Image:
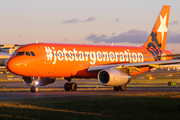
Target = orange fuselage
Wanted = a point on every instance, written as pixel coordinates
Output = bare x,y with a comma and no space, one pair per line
66,60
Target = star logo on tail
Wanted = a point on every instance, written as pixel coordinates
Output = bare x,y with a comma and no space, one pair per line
162,28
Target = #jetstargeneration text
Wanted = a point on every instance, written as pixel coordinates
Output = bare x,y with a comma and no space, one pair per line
52,55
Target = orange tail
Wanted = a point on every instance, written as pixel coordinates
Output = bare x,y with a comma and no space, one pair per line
157,38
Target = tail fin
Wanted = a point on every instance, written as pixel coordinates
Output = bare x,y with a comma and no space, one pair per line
157,38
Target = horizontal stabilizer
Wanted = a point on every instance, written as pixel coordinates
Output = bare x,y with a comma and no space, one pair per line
170,55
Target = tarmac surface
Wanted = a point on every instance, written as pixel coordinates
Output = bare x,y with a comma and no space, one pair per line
63,94
9,84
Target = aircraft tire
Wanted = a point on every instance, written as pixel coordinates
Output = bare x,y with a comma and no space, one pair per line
67,86
73,86
34,89
116,88
123,87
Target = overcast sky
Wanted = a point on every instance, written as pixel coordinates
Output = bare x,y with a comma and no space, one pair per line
123,22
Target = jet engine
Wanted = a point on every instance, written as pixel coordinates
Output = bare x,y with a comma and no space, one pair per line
30,81
113,77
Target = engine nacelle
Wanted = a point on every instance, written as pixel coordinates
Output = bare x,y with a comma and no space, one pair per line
29,81
113,77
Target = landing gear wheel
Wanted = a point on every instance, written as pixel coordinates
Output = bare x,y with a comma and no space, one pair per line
34,89
123,87
67,86
73,86
116,88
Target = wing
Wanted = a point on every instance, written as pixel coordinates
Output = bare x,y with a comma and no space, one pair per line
131,67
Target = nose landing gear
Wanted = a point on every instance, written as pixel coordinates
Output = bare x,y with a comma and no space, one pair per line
35,89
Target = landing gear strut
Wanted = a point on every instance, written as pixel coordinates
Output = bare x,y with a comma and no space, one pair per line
70,86
35,89
121,88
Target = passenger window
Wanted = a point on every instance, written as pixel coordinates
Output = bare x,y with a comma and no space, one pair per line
32,53
28,54
20,53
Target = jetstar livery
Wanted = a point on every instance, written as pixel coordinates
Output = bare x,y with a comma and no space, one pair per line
41,63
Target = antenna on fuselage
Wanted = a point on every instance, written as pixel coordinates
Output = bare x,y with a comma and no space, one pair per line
112,44
36,41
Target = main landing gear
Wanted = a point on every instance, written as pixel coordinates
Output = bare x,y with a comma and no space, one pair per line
70,86
121,88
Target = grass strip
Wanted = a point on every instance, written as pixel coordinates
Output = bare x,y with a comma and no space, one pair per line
145,106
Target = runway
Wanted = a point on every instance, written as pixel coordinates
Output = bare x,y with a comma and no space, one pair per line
62,94
9,83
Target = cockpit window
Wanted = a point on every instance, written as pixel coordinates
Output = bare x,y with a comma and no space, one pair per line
32,53
20,53
14,53
28,54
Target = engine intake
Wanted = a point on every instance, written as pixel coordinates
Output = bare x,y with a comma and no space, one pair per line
113,77
42,82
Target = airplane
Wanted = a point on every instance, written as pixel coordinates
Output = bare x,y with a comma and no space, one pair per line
40,63
3,58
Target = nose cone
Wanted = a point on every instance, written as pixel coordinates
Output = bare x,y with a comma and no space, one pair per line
11,65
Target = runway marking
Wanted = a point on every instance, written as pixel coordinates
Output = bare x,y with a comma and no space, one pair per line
10,76
49,109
